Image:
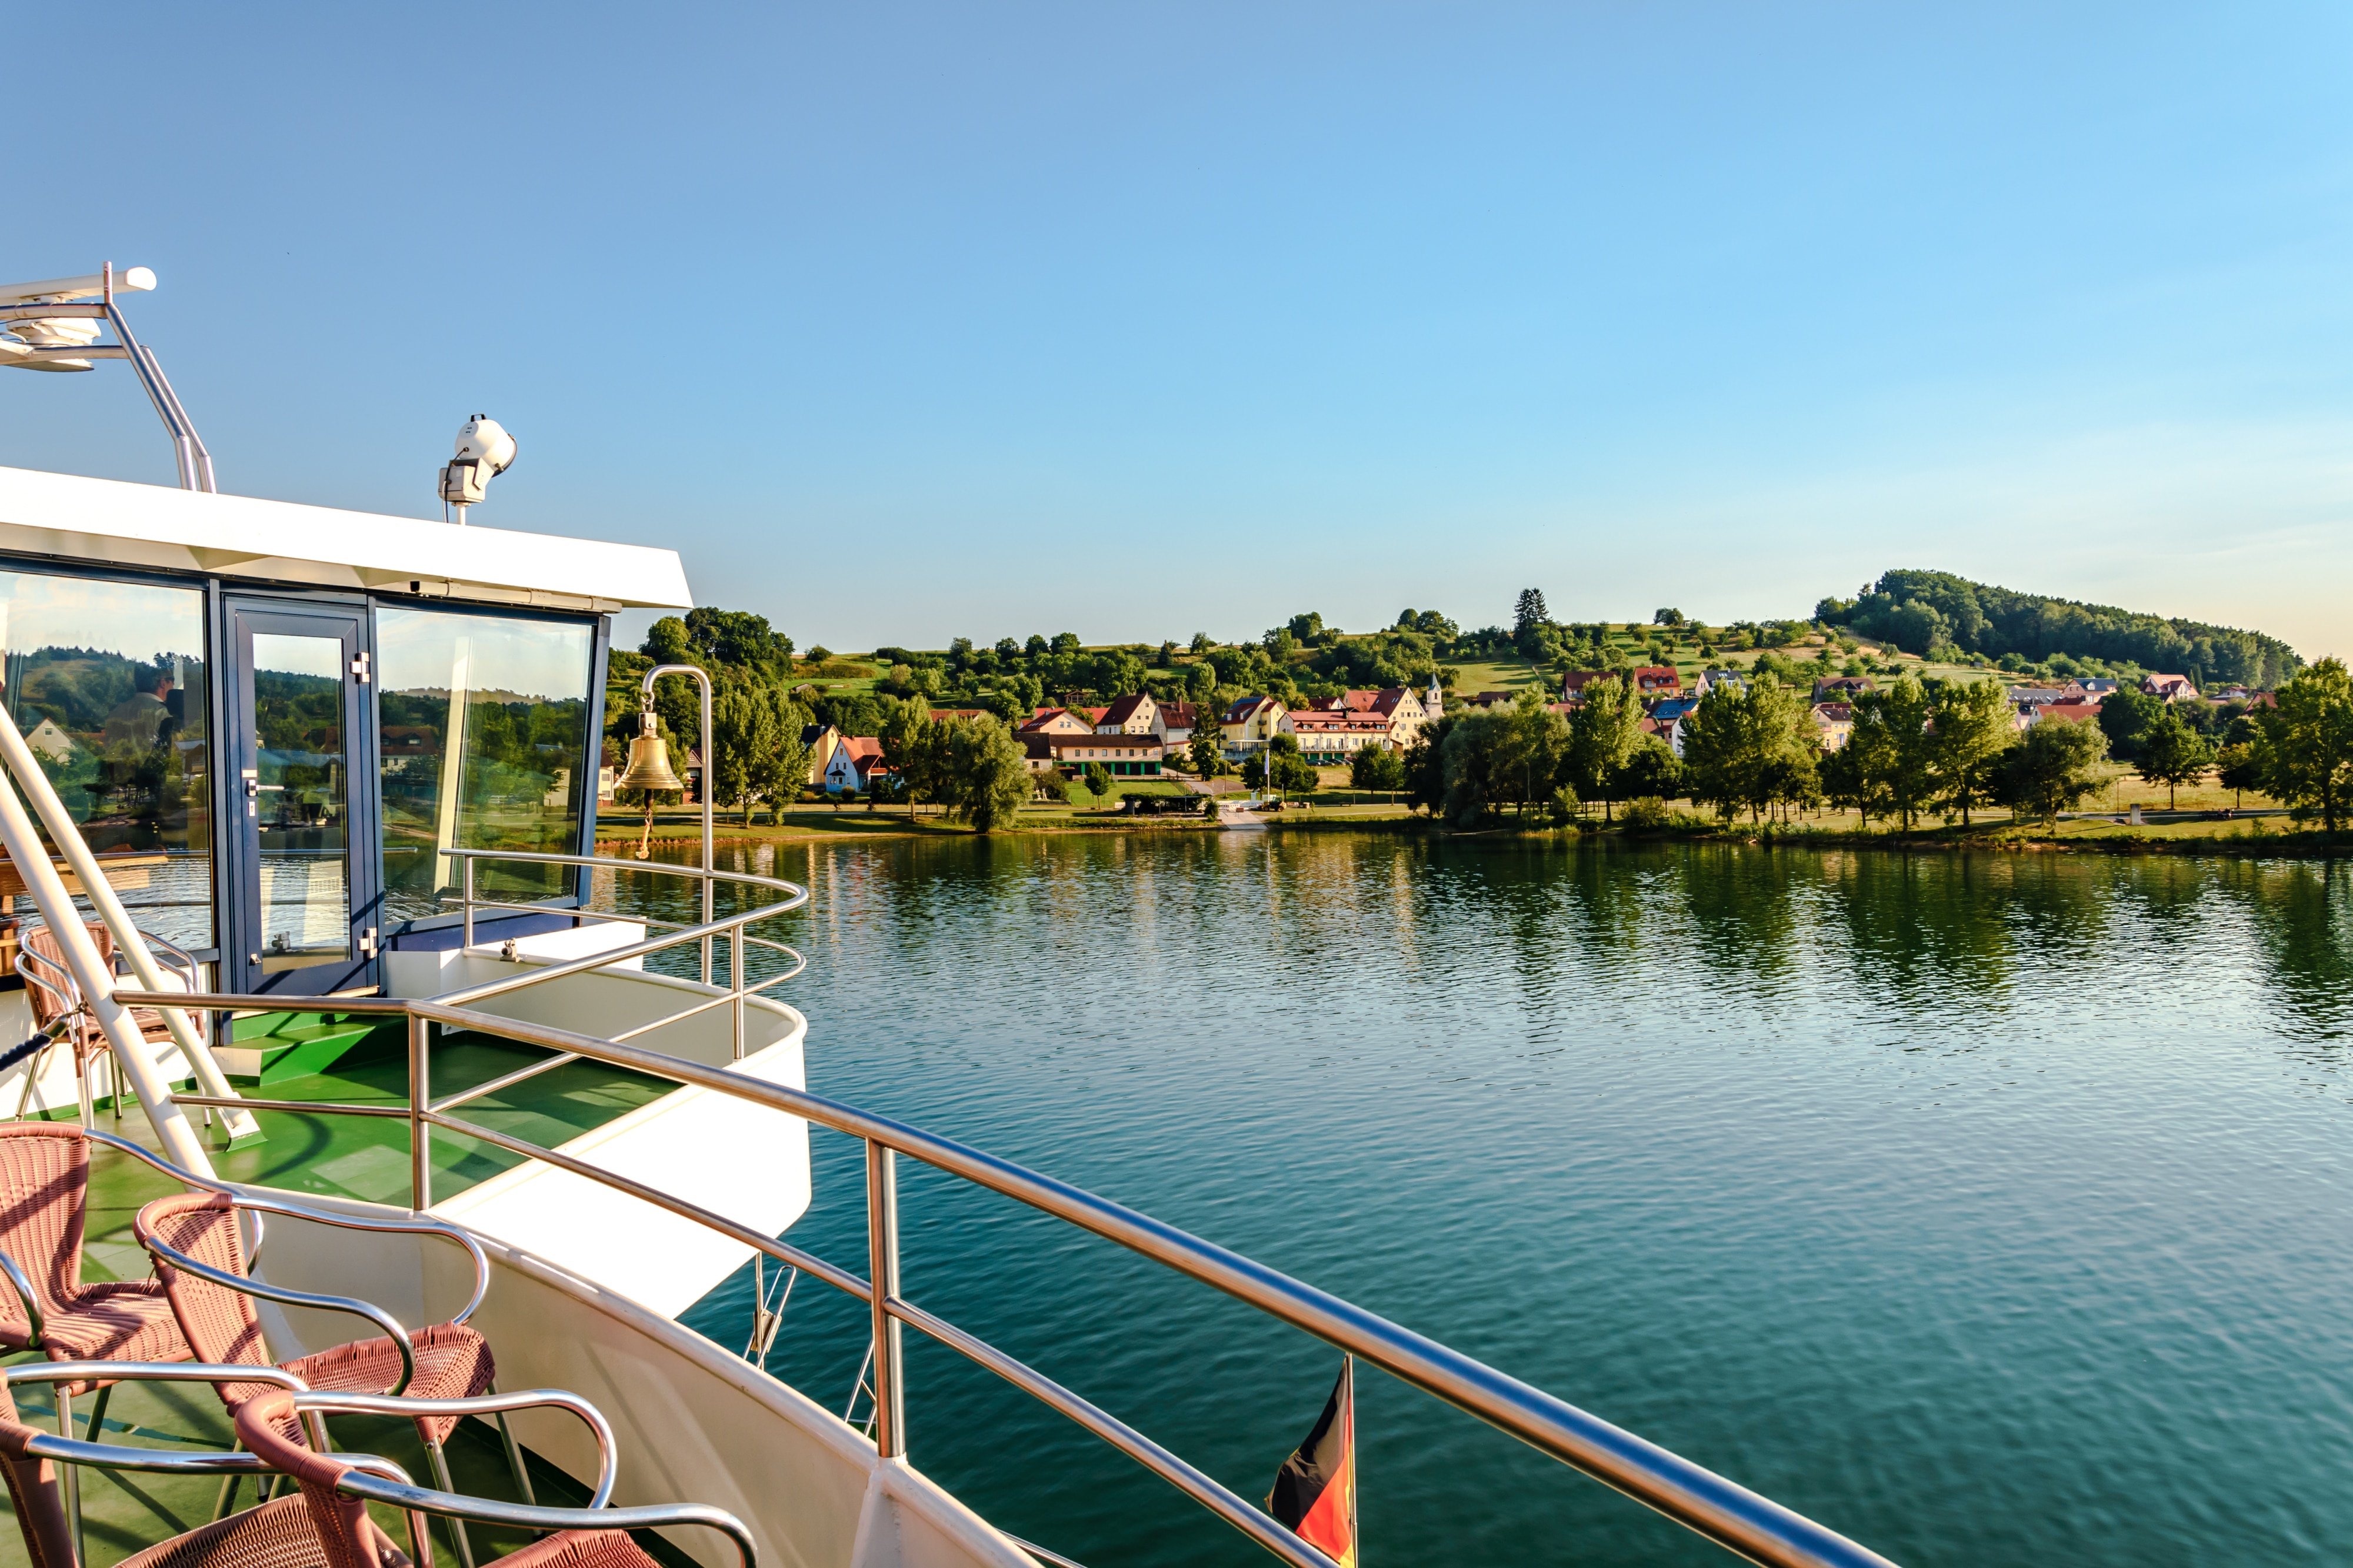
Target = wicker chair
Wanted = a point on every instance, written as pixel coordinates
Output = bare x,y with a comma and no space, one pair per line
200,1257
63,1014
44,1196
325,1524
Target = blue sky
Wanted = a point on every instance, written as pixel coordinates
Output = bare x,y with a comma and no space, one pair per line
908,321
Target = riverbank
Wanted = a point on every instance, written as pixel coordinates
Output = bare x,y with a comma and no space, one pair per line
2273,833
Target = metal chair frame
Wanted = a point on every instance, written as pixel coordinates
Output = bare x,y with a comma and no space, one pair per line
375,1479
169,1256
46,977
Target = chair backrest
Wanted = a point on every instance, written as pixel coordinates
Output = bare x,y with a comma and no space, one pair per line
44,1190
267,1426
33,1487
220,1324
49,985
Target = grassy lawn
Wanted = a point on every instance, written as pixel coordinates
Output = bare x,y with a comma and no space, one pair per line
1085,799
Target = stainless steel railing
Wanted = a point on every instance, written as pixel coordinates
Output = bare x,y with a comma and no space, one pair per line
1750,1525
739,940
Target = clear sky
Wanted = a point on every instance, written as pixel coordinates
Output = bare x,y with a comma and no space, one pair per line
908,321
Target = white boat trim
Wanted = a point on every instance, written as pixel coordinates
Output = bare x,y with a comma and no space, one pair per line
169,529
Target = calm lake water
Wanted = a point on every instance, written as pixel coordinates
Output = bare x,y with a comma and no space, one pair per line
1991,1210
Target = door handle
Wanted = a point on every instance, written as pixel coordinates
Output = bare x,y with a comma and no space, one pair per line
253,791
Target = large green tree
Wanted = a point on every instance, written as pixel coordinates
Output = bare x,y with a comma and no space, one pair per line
749,734
1603,733
1974,728
2173,755
2306,743
1749,746
910,751
2055,767
1899,748
1377,768
984,772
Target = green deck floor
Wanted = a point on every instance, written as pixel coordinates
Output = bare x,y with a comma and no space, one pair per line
354,1156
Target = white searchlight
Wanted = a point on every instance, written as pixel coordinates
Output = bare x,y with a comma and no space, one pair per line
485,450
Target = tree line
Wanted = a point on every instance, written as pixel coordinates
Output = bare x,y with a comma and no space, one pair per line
1949,748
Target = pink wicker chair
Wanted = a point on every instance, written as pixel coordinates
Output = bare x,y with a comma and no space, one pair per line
61,1011
200,1257
325,1524
337,1497
44,1193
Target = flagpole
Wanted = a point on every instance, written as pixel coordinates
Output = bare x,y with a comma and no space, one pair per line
1355,1537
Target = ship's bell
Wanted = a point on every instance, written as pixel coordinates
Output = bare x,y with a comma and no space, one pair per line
649,766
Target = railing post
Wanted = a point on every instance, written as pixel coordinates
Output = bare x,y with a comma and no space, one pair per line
882,1258
466,900
735,966
420,1131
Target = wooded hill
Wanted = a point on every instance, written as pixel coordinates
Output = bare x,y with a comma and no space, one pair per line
1939,616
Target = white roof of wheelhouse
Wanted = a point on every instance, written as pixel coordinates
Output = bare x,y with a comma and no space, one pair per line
162,528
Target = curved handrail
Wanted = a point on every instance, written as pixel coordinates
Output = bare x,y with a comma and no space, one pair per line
165,1255
1721,1509
532,1516
796,898
608,1451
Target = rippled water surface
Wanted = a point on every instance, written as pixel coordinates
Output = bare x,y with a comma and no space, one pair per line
1990,1210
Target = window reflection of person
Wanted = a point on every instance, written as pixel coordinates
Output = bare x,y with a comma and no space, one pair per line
139,718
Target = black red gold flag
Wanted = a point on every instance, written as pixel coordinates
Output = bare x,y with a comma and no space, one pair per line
1315,1493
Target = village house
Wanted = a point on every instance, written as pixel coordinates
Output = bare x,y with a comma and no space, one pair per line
1059,721
1037,750
1573,684
1327,737
1126,756
1248,726
1491,699
1667,709
1842,687
2073,712
1709,679
821,741
1177,722
1658,680
52,743
2098,687
1834,724
2172,687
853,764
1138,713
1406,712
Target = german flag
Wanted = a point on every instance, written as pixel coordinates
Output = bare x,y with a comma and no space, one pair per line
1314,1494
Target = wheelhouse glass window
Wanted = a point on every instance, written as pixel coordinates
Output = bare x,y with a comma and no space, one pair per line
484,723
106,681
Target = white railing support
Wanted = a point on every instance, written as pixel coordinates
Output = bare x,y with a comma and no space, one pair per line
66,834
96,980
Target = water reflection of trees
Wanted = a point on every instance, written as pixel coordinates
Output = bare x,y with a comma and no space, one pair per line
2301,914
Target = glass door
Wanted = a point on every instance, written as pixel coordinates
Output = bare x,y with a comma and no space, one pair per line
305,922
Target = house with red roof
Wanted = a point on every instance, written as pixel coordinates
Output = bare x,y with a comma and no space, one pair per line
1328,737
1248,725
1059,722
1138,713
853,764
